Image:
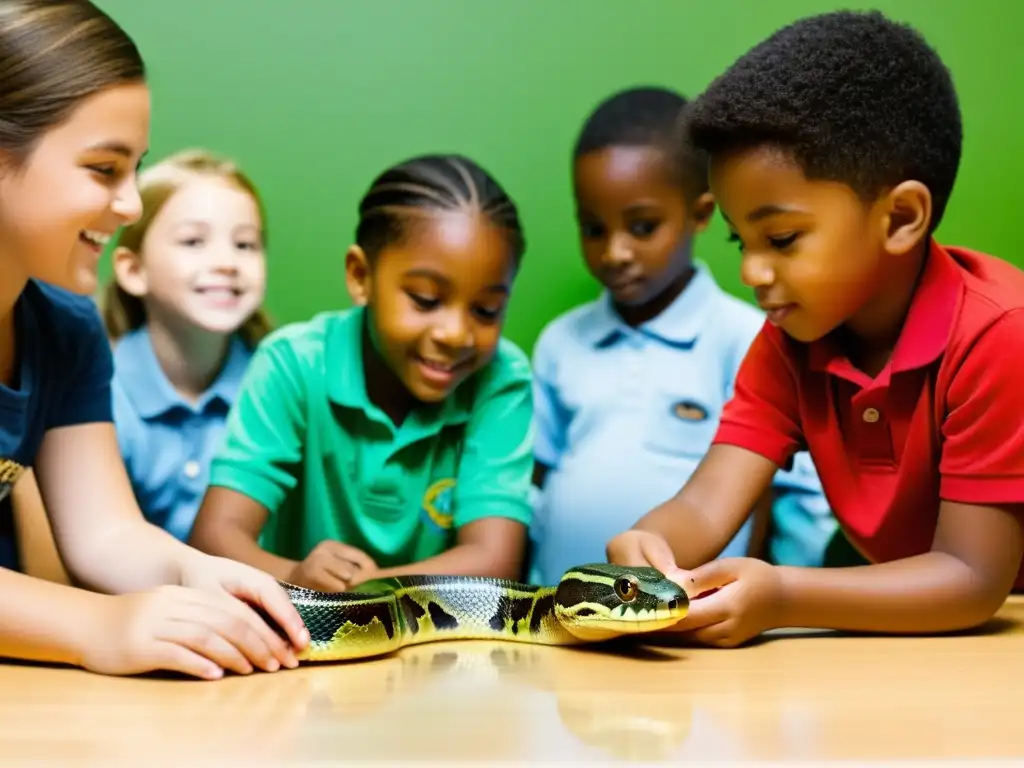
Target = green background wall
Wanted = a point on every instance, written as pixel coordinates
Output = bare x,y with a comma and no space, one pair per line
315,97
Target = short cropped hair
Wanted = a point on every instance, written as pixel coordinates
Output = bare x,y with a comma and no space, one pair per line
852,97
646,116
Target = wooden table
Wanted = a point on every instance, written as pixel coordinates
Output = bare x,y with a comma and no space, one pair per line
797,696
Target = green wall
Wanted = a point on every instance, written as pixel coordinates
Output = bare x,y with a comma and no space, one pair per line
315,97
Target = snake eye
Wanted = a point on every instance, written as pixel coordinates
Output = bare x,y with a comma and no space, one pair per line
626,589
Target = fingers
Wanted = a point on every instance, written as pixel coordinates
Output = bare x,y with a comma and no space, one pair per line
175,657
274,600
705,612
643,548
340,570
212,637
262,644
356,556
656,551
711,576
628,549
221,628
720,635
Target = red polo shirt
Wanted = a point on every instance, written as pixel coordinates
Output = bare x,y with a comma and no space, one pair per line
943,420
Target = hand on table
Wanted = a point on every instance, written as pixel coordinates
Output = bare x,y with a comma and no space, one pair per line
731,600
202,628
332,567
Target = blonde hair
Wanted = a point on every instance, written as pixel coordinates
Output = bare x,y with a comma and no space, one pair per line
123,312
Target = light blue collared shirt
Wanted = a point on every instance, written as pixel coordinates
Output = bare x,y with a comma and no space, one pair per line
167,443
802,520
625,415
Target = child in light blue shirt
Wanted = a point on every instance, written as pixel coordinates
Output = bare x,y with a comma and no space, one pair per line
184,308
629,387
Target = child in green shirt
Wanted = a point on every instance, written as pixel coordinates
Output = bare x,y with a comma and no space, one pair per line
396,436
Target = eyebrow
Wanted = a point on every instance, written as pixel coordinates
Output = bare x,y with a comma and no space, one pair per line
764,212
644,207
116,147
432,275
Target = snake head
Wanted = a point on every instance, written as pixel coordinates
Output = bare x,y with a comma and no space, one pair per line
601,601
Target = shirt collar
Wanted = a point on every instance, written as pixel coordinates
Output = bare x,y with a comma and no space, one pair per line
346,384
146,385
679,324
926,328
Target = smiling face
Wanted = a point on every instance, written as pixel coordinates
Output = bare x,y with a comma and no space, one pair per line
813,251
437,300
635,223
202,260
76,188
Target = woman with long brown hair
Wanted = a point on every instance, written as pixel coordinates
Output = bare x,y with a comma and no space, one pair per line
74,125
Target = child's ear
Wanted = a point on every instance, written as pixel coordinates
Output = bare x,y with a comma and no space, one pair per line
358,275
907,216
128,271
701,211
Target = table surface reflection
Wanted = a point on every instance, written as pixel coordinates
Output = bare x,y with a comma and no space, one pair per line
792,696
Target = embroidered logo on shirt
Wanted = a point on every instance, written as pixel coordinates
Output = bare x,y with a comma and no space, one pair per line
437,503
688,410
10,472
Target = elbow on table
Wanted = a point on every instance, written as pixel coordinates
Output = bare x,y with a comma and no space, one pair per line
981,606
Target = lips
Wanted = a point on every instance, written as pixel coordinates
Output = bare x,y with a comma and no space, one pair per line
621,282
440,373
776,313
95,238
438,365
219,290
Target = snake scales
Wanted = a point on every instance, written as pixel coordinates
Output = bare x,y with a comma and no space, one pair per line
590,603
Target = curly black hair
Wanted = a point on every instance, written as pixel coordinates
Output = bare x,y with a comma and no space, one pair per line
852,97
646,116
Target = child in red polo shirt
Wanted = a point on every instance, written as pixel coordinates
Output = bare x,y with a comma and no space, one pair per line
834,146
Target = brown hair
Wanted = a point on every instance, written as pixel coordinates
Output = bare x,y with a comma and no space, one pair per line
123,312
54,54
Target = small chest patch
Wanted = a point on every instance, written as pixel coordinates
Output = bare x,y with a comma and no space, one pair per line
688,410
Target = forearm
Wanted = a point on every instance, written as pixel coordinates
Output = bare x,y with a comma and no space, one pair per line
130,556
693,537
461,560
933,592
44,621
224,539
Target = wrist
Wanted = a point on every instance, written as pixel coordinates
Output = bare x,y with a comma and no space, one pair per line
788,598
92,619
188,560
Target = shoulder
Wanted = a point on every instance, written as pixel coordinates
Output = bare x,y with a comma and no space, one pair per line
66,316
508,369
992,302
570,329
302,343
70,334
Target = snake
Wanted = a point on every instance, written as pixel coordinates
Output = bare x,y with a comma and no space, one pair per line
589,603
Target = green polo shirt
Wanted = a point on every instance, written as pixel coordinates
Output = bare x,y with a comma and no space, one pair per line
304,441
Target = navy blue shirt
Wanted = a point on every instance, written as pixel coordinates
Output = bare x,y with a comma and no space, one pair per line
63,374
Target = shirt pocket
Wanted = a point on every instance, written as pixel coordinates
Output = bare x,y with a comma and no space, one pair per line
681,424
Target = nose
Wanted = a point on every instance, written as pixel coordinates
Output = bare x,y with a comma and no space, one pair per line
224,258
616,253
127,203
452,330
756,271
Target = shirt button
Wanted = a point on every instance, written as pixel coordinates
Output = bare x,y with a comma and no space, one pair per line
871,415
191,469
